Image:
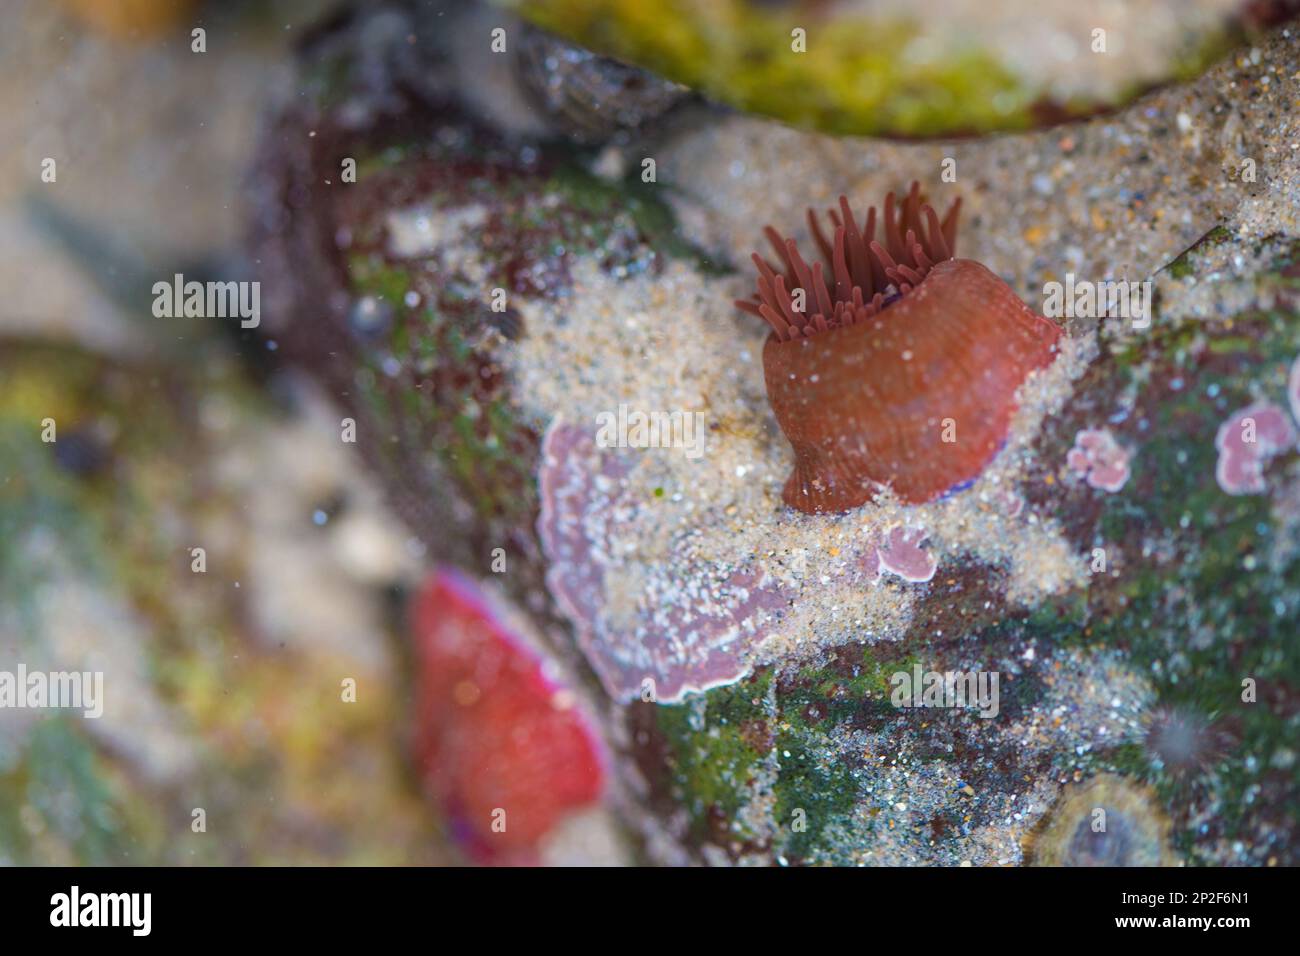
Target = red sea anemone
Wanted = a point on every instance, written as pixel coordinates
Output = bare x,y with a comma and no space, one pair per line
902,371
506,749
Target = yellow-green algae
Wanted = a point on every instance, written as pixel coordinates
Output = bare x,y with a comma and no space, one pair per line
742,56
850,80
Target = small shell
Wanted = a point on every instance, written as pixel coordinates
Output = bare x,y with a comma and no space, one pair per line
1107,821
587,96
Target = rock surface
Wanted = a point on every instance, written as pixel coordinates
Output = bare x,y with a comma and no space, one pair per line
660,574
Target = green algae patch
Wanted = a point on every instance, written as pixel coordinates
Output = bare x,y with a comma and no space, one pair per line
814,789
1185,264
63,803
755,762
716,745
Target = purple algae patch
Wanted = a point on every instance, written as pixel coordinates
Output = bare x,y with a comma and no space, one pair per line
1246,441
900,553
1099,460
651,629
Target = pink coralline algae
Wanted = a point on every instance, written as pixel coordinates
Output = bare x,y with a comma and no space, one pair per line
1246,442
1099,460
502,745
651,629
900,553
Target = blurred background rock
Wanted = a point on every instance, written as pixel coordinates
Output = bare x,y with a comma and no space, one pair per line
225,684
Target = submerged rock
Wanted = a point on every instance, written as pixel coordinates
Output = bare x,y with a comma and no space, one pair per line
743,655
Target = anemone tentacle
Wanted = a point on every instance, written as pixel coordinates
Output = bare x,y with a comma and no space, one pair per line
866,274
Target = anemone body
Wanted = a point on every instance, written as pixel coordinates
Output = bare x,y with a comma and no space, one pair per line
905,375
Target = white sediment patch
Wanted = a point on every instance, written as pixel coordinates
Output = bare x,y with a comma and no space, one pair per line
683,524
418,231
